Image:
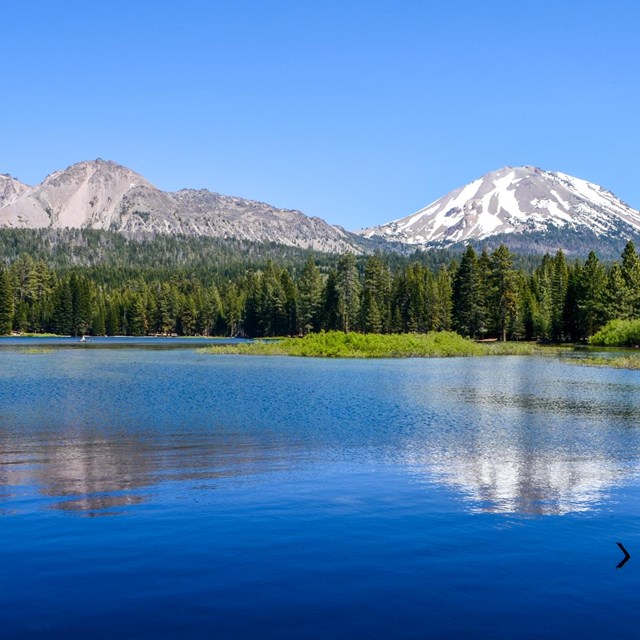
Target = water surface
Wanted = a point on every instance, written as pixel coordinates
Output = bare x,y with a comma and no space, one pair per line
167,493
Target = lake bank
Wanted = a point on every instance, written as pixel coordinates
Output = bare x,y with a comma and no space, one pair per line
613,362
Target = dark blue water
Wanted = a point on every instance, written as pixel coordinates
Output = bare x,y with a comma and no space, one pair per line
173,494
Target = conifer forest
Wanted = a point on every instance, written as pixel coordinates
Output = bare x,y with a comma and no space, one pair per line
220,289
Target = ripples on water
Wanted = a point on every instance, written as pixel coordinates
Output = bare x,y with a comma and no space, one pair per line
314,498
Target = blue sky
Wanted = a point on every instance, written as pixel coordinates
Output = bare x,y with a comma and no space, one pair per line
357,112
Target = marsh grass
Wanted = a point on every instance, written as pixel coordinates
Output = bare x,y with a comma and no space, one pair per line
335,344
615,362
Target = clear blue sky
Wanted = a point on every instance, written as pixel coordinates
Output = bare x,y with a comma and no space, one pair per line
357,112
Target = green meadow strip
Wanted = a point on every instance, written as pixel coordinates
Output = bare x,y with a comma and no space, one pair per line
336,344
614,362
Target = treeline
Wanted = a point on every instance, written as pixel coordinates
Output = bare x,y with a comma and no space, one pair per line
480,295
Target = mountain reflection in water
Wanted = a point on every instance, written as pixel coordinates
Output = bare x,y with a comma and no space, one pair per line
535,446
510,481
96,475
101,431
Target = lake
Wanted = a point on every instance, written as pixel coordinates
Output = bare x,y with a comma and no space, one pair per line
151,491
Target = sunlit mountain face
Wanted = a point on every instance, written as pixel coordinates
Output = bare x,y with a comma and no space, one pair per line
524,207
102,194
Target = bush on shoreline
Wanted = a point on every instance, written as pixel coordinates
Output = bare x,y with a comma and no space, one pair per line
618,333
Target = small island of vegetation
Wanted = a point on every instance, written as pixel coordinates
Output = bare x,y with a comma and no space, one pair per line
337,344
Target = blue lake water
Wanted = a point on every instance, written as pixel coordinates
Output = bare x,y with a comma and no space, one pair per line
167,493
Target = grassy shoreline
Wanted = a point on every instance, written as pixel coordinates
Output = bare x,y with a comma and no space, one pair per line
335,344
613,362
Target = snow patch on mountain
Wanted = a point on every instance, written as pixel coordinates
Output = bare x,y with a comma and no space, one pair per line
512,200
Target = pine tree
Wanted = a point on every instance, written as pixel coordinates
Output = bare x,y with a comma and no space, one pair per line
559,286
541,286
136,316
188,316
98,323
290,290
62,312
310,297
233,302
6,302
331,309
212,312
467,302
81,305
503,291
443,303
348,289
252,315
112,321
615,299
376,296
400,303
631,275
591,297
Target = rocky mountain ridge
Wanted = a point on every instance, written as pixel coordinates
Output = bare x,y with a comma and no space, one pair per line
527,208
102,194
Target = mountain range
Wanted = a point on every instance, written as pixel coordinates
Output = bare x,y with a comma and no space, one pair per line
527,208
102,194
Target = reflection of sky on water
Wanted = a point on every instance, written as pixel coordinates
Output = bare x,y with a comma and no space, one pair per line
100,432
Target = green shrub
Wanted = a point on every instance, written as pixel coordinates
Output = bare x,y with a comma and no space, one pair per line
618,333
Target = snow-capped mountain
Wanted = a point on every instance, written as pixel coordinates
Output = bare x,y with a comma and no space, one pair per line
514,200
105,195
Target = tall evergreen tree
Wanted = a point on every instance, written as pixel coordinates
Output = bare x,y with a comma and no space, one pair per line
62,312
136,315
310,297
81,304
591,297
559,286
631,275
376,296
541,306
348,290
331,303
442,304
290,291
616,301
6,302
467,302
503,292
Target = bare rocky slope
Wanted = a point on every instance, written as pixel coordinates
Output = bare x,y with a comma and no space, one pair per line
102,194
522,206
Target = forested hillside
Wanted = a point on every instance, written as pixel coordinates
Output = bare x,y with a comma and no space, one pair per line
96,283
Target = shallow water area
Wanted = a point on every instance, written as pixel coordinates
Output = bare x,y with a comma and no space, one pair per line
148,490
